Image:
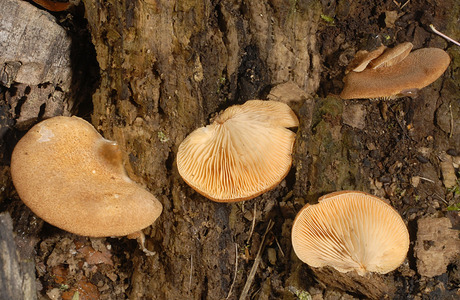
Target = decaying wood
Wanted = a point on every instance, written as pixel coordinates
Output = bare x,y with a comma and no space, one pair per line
437,245
35,60
372,286
166,68
17,276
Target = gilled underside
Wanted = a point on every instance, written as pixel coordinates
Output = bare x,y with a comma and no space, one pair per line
245,152
361,233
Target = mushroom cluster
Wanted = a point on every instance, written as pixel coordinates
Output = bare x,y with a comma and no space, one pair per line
393,72
245,152
350,230
73,178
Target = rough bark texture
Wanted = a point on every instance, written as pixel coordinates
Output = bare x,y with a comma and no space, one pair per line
166,66
35,61
17,274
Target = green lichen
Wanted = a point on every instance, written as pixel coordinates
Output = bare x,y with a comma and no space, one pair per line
162,137
303,295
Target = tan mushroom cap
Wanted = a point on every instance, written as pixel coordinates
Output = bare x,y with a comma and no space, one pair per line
243,153
392,56
417,70
363,58
350,230
73,178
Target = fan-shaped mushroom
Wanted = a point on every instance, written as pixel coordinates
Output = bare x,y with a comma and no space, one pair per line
417,70
243,153
73,178
363,58
350,230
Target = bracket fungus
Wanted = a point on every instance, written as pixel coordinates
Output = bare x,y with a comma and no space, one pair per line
245,152
395,73
73,178
350,230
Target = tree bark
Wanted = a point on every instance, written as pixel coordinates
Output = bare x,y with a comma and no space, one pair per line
17,274
35,61
166,68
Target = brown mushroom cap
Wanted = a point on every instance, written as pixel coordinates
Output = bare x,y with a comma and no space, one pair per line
73,178
417,70
363,58
392,56
243,153
350,230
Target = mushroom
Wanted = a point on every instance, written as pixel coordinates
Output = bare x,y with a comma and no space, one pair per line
73,178
391,56
245,152
417,70
363,58
350,230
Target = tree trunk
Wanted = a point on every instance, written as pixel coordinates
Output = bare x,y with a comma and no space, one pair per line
166,67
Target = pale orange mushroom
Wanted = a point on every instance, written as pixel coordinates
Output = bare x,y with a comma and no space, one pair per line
73,178
245,152
391,56
350,231
363,58
419,69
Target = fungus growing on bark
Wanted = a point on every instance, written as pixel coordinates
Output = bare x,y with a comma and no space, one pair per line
417,70
245,152
73,178
350,230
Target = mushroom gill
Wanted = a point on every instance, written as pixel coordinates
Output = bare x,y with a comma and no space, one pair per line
243,153
348,231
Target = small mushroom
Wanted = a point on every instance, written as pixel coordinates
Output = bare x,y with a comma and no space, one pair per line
73,178
350,230
245,152
363,58
391,56
417,70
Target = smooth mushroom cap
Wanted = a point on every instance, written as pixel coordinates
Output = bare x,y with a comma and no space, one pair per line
243,153
417,70
350,230
392,56
363,58
73,178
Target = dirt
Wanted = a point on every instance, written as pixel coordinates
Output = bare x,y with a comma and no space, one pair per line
405,150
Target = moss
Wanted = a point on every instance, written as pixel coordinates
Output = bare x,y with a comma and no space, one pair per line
328,109
334,151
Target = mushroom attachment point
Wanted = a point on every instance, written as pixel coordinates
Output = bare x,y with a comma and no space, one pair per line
245,152
350,230
396,71
73,178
